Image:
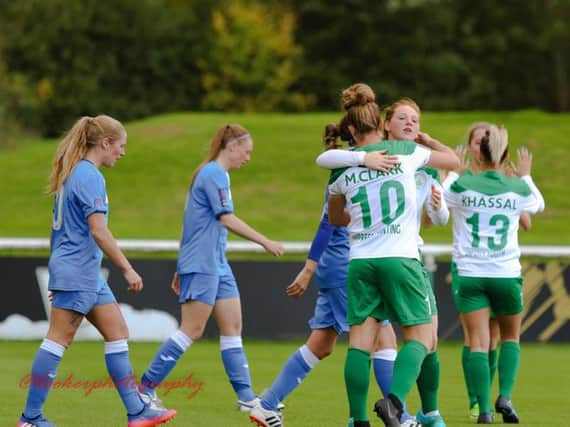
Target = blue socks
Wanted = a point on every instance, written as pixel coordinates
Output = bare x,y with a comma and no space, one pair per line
44,369
164,361
236,366
383,361
121,372
295,370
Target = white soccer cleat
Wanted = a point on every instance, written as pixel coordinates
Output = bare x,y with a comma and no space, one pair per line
248,405
266,418
412,422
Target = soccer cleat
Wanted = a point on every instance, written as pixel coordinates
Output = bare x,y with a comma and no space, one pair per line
407,419
474,411
507,410
485,418
35,422
388,412
151,399
151,416
265,417
248,405
410,422
431,420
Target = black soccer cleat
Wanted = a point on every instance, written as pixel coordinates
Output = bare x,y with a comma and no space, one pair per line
507,410
485,418
388,412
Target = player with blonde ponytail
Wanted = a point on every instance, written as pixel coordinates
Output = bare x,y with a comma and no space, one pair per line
204,281
79,237
486,210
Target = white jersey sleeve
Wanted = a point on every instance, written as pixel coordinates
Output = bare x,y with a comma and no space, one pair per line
449,179
439,216
333,159
533,207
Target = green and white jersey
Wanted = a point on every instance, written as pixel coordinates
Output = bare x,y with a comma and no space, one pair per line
382,206
485,209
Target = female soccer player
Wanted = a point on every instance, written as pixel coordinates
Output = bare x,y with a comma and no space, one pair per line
470,165
402,122
486,209
385,278
204,281
79,236
328,262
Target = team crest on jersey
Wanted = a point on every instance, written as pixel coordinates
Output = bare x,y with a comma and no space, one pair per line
420,180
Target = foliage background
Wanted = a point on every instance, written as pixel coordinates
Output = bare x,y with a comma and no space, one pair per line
137,58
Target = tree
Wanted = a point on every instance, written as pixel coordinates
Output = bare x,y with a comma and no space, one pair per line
253,62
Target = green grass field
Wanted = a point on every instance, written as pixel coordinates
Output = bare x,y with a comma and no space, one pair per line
541,394
280,192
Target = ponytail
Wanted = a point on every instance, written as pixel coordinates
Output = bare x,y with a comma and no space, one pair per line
84,135
495,145
330,137
224,135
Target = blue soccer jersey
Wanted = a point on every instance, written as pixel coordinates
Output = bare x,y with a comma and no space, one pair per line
75,259
332,268
204,237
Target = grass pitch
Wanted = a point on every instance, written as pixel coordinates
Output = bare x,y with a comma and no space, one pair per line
207,399
280,192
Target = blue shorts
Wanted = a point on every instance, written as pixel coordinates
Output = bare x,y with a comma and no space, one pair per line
330,310
207,288
83,301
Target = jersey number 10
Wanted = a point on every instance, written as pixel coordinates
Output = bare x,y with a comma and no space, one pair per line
361,198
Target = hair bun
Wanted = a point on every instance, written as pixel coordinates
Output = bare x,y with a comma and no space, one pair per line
356,95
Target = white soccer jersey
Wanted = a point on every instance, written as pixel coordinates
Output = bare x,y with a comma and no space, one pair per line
485,209
425,178
382,205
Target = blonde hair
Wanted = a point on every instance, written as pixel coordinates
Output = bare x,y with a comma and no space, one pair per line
84,135
223,135
474,128
390,110
362,111
495,145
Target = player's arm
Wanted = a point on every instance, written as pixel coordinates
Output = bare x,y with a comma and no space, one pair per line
377,160
525,221
239,227
109,246
436,210
318,246
524,167
442,157
337,214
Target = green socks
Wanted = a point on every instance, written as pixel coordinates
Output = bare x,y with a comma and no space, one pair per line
478,368
428,383
492,363
407,368
357,380
468,383
509,361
